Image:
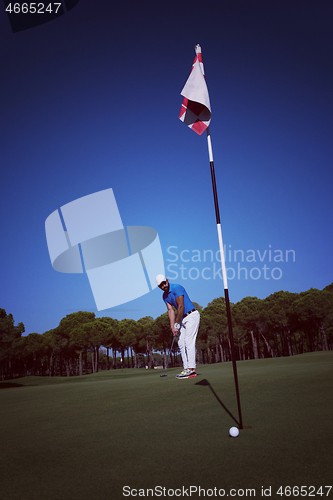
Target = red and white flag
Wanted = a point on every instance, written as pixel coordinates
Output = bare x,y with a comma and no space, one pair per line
195,111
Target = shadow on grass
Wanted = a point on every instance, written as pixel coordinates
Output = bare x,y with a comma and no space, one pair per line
205,382
10,385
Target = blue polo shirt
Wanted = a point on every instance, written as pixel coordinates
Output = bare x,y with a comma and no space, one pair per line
178,291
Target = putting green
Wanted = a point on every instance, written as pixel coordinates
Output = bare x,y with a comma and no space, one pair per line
89,437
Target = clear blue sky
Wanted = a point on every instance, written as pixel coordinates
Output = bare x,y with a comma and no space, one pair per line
91,101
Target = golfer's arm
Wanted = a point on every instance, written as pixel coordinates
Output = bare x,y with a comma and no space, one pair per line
180,310
171,314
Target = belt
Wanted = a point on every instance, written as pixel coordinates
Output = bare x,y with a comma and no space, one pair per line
189,313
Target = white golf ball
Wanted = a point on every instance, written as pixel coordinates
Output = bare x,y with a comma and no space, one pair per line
233,432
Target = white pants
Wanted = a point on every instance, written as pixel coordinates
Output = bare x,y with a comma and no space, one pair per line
187,336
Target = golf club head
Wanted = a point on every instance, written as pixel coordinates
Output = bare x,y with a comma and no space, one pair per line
164,375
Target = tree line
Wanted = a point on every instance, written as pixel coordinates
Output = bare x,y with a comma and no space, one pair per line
282,324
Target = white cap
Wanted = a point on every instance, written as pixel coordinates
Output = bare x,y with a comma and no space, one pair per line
159,279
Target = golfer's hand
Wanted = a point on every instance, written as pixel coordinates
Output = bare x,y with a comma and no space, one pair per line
175,332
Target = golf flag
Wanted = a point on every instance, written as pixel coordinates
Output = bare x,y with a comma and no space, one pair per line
196,114
195,111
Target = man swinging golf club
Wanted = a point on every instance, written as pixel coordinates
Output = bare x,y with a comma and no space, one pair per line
186,322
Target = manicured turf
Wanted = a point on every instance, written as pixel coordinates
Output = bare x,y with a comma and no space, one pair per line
88,437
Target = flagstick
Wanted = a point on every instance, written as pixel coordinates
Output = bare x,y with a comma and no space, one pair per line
224,273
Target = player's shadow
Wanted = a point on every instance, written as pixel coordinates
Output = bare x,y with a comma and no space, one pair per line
205,382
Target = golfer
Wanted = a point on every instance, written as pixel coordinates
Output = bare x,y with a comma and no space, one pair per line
186,323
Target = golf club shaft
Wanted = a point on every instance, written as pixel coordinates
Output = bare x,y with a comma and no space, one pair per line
170,352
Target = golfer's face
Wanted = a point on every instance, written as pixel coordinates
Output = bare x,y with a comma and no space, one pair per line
164,286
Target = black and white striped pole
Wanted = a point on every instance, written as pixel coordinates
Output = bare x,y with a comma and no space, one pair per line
224,274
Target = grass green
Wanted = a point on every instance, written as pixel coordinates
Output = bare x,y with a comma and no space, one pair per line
88,437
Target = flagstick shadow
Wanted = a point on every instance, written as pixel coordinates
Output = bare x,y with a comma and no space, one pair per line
205,382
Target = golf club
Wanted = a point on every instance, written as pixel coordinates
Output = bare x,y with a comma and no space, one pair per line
164,374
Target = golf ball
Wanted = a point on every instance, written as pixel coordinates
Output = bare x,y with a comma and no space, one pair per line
233,432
